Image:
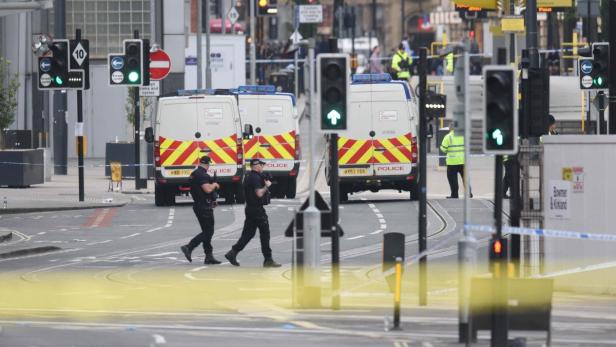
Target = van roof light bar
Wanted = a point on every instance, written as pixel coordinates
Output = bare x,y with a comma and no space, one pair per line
371,78
190,92
257,89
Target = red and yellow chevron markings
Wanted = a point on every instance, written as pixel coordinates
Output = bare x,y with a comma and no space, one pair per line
280,146
178,153
376,151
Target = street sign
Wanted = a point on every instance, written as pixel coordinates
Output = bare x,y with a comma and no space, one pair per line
585,71
296,37
586,66
79,54
310,13
160,65
586,81
150,90
233,15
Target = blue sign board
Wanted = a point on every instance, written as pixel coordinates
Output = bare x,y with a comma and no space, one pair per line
45,64
117,63
586,66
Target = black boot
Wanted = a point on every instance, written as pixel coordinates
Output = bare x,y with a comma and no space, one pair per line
269,262
187,251
210,260
231,257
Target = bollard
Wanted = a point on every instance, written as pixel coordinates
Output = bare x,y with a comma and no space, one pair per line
397,294
4,204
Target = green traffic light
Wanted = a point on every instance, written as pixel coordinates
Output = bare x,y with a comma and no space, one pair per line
133,76
333,117
599,81
59,81
498,136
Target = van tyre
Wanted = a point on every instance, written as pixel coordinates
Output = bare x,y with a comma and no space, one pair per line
163,195
344,194
414,193
239,194
291,188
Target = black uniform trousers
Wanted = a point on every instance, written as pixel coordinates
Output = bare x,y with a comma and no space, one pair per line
452,177
508,172
255,218
205,216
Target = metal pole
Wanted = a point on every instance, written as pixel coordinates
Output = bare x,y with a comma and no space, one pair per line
423,220
531,32
402,11
312,216
253,50
80,132
296,53
199,45
208,66
59,100
334,187
499,306
612,69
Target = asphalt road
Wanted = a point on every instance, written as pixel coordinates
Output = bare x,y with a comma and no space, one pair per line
120,279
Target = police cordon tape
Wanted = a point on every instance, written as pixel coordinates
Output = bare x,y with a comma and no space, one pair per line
123,165
543,232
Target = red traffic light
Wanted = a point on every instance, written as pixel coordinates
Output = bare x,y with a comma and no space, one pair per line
497,247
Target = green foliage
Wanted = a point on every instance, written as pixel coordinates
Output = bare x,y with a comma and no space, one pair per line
129,107
9,84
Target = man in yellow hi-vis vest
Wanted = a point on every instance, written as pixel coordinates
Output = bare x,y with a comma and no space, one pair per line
401,64
449,63
453,147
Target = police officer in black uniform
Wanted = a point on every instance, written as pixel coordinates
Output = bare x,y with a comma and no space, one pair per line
257,195
203,191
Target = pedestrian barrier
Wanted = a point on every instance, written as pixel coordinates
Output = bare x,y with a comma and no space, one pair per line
116,176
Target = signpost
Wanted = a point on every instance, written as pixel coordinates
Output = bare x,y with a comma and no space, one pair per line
310,13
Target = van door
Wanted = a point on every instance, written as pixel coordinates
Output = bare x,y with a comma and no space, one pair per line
177,124
276,132
218,127
355,144
392,136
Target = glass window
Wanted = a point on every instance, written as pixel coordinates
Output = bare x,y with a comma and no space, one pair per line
125,17
113,5
90,6
114,18
137,17
125,6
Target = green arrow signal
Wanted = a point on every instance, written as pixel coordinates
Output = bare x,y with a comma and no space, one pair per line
334,116
498,136
133,76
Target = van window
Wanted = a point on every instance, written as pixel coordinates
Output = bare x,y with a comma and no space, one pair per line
177,120
215,119
276,115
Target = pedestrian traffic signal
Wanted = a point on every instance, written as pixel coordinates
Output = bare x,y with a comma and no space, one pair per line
132,68
500,117
267,7
54,69
435,105
601,60
333,71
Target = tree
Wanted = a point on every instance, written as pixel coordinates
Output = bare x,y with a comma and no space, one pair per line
129,108
9,84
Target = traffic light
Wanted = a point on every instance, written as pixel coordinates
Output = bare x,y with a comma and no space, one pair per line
538,103
267,7
498,250
601,60
132,68
500,117
333,71
436,105
53,69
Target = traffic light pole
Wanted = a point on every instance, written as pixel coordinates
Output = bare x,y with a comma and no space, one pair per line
80,132
423,221
612,69
334,187
499,333
59,101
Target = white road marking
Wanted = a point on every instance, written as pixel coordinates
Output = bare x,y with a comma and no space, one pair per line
99,218
134,225
291,208
159,339
355,237
199,268
371,205
382,221
129,236
379,215
42,233
326,243
383,226
161,254
376,232
98,243
170,218
155,229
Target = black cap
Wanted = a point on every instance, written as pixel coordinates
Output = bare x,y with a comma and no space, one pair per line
205,160
551,119
254,162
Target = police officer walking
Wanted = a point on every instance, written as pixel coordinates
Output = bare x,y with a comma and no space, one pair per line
257,195
203,191
401,64
453,147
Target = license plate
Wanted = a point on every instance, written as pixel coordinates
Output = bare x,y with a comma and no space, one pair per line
355,171
179,172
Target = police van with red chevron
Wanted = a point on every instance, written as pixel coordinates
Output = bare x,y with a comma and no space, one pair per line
378,149
273,117
188,126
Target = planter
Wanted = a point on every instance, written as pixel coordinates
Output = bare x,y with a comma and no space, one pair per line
21,167
124,152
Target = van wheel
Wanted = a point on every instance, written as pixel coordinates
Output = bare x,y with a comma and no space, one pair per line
344,195
239,194
229,195
159,196
291,188
414,193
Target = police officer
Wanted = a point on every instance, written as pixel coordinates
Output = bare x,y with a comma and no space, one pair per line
401,64
257,195
453,147
203,191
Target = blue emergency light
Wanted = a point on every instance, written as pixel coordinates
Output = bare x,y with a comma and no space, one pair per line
367,78
257,89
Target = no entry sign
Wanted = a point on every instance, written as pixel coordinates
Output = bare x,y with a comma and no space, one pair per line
160,65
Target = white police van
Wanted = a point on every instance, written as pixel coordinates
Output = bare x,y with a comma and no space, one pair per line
378,150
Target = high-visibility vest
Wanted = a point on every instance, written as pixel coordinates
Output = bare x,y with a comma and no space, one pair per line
395,61
453,146
449,63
